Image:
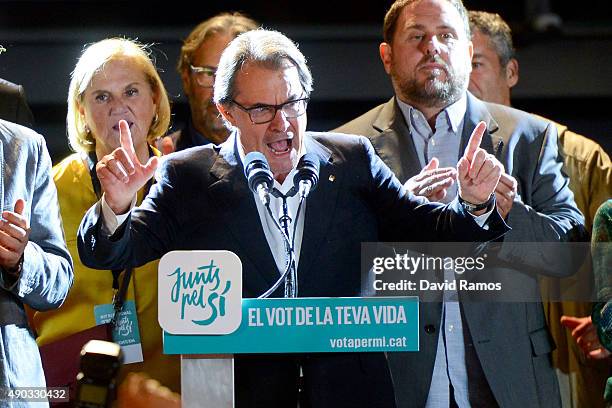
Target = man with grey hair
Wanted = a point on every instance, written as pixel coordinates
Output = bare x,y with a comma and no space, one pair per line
472,353
262,89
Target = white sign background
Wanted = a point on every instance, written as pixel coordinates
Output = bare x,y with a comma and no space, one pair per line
186,280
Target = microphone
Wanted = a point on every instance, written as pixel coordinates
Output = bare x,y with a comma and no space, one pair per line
259,176
307,175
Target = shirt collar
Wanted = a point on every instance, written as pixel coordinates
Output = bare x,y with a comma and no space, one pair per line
456,112
453,113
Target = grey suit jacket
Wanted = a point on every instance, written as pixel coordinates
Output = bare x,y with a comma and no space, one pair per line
13,105
510,339
46,274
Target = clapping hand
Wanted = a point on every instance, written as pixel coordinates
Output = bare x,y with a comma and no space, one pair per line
478,172
122,174
432,182
505,193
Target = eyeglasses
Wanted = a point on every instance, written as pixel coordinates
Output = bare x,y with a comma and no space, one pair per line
204,76
266,113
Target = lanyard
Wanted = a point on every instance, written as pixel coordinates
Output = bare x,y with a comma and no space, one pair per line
119,293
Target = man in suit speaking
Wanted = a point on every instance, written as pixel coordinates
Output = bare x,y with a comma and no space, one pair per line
202,201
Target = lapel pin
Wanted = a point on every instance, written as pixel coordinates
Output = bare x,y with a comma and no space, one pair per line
332,178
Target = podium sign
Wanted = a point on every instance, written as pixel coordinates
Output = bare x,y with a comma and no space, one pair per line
202,313
199,292
312,325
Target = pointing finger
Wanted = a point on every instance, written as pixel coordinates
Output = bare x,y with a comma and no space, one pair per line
125,138
474,142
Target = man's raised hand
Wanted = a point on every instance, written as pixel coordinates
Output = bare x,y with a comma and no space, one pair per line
478,172
122,174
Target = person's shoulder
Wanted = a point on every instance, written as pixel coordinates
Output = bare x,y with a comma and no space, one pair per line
197,159
338,140
363,124
14,133
9,88
187,156
604,211
578,146
517,122
342,147
503,113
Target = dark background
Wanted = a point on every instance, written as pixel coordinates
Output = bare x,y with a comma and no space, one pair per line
565,75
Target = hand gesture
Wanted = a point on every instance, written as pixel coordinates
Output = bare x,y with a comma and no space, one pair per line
478,171
505,193
585,335
14,235
432,182
122,174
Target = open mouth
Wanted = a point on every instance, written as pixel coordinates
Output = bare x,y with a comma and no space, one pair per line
280,146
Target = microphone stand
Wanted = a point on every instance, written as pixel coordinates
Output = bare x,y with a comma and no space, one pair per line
290,273
285,220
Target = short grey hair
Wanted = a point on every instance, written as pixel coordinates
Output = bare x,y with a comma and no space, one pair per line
498,32
270,49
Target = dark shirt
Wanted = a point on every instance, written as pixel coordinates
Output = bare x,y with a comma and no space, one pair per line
190,137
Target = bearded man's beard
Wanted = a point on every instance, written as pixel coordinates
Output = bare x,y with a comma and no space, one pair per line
434,91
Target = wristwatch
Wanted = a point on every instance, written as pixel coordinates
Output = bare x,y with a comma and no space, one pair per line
477,207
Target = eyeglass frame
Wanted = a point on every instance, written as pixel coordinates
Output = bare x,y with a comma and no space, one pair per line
211,71
277,108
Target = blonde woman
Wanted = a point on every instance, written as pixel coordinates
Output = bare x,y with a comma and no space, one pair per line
114,79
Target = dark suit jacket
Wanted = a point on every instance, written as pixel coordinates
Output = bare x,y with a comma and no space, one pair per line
202,201
510,339
13,105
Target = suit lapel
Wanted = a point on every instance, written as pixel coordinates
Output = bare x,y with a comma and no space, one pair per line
234,200
477,111
395,137
320,206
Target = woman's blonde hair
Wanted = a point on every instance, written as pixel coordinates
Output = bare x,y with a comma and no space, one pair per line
92,61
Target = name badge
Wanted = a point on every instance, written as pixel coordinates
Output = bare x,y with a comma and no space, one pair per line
125,332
